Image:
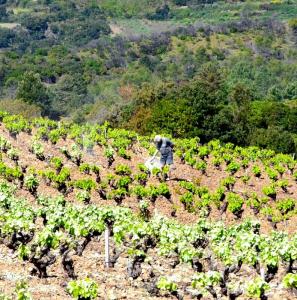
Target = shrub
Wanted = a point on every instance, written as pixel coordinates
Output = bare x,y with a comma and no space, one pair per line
156,172
83,196
235,203
285,205
206,281
85,168
85,184
163,190
280,169
290,281
284,183
256,171
203,152
63,176
166,285
85,289
187,200
5,145
269,191
201,166
245,179
22,292
189,186
218,196
13,154
141,178
124,154
38,150
254,202
272,174
123,170
11,173
228,182
144,208
153,192
233,167
140,192
245,163
257,288
293,24
54,136
95,169
118,195
217,161
109,154
143,168
123,182
31,183
227,158
57,163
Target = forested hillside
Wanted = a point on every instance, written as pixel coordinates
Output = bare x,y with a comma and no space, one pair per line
217,69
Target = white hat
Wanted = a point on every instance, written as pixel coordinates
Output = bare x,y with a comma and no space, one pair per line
157,139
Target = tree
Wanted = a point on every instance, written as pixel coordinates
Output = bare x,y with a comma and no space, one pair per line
36,25
3,11
273,138
180,2
7,36
3,72
293,26
223,127
162,13
171,116
69,94
240,106
291,91
16,107
139,120
205,97
274,114
32,91
275,92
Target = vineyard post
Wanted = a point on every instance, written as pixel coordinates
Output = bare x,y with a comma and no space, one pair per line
262,273
107,233
105,132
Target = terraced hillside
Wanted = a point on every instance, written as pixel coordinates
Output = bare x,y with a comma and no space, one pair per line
223,227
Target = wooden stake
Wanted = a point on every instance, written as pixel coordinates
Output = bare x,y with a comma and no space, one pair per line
107,260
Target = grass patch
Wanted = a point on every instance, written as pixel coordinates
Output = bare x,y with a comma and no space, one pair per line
21,10
9,25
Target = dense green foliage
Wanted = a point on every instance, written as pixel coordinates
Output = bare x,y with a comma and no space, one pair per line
87,60
207,108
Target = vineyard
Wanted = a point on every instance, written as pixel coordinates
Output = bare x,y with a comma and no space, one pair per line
223,227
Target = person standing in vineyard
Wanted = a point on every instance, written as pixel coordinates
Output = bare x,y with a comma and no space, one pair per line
165,147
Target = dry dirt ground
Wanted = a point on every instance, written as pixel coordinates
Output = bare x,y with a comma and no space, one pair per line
114,283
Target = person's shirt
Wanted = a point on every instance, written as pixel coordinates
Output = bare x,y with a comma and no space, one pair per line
164,143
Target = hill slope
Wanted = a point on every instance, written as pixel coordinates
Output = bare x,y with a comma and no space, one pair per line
97,54
70,181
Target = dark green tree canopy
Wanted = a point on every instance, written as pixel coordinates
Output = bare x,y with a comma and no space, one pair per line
33,91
